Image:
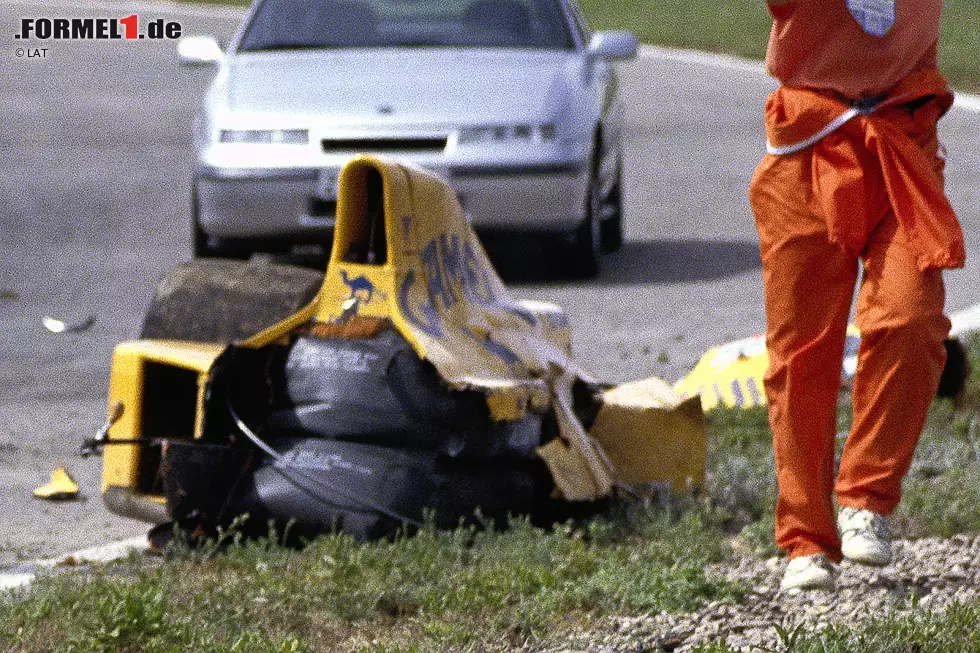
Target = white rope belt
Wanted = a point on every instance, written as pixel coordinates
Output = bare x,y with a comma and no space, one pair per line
835,124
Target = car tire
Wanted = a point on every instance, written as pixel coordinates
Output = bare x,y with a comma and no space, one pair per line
216,300
205,246
378,391
611,229
371,492
585,250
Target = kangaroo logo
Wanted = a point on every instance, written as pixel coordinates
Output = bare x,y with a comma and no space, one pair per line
358,284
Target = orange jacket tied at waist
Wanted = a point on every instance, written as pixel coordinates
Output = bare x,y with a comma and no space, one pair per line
899,133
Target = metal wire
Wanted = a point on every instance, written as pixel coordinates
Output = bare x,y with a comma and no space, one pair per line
261,444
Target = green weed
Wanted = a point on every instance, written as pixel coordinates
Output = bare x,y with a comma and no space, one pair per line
951,631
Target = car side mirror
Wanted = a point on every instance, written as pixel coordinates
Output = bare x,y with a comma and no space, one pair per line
614,45
198,51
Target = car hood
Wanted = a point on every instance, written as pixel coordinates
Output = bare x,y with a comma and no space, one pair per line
444,86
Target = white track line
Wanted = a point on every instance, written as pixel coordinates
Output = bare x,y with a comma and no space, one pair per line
968,102
24,575
706,59
15,580
964,101
965,321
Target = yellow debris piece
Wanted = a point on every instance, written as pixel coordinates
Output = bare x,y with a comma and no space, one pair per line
578,465
61,486
651,435
731,374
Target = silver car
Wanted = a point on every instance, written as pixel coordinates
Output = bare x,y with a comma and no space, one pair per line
513,102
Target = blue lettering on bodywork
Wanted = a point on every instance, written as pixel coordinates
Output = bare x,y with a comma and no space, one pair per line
430,323
454,270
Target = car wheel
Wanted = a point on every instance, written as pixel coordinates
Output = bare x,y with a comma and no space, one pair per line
611,229
205,246
214,300
369,492
586,249
392,398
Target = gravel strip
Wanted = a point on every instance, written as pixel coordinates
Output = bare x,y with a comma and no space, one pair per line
926,575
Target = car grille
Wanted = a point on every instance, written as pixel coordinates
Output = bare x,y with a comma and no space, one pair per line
318,208
354,145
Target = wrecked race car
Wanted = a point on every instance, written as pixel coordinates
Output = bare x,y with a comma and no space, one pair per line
404,384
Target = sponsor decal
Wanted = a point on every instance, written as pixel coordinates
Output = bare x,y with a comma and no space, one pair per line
359,284
324,462
453,272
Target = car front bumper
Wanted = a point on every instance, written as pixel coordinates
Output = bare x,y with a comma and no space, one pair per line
285,203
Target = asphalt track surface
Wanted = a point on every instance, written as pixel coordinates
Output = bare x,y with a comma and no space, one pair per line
95,163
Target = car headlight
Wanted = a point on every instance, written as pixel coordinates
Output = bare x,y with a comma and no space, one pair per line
507,133
284,136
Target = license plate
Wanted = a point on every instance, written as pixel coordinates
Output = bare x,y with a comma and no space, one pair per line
327,183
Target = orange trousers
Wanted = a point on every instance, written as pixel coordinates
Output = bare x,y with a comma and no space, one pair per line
809,286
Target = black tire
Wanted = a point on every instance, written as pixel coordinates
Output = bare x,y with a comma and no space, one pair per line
371,492
219,300
378,391
611,229
205,246
199,479
956,371
585,250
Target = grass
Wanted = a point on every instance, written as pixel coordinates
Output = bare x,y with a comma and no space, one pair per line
959,48
741,27
464,590
526,588
473,590
953,631
736,27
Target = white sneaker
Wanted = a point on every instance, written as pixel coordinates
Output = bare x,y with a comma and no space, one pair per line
808,573
864,536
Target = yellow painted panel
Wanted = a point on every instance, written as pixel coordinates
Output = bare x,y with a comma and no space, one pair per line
650,435
121,463
732,374
437,287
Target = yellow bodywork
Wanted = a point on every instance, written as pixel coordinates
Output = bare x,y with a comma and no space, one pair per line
440,291
651,435
434,283
436,286
134,365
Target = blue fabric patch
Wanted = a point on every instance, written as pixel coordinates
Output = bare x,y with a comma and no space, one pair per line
875,17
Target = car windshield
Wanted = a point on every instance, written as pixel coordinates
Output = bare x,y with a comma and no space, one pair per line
301,24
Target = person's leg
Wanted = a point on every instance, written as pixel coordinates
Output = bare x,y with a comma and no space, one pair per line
901,357
809,283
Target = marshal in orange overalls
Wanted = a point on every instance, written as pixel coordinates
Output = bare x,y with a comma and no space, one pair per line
853,175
